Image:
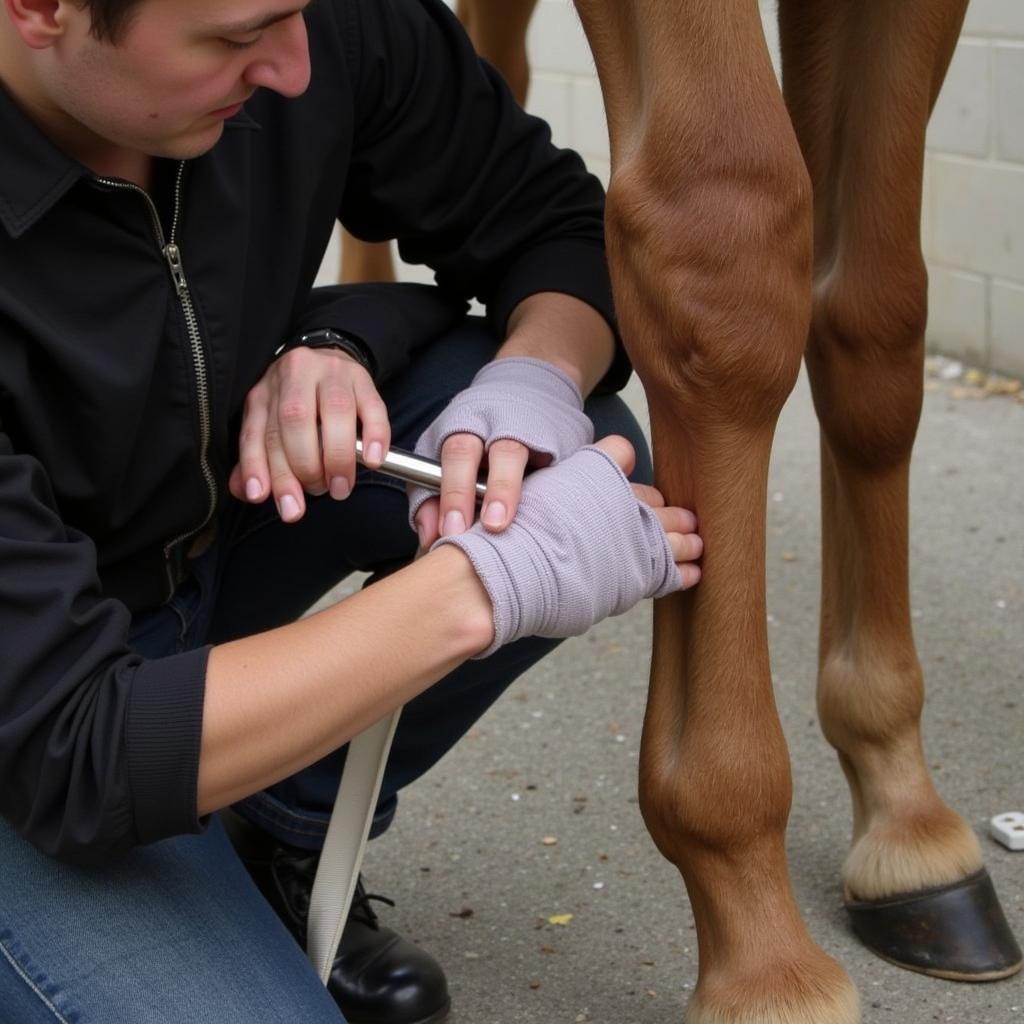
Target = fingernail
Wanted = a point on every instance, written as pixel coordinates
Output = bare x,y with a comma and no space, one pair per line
340,489
421,530
494,514
375,454
253,489
289,509
454,523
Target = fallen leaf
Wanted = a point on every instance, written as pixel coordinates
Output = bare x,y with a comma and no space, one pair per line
550,840
1002,386
560,919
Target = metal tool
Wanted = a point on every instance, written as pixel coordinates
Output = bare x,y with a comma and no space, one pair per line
413,469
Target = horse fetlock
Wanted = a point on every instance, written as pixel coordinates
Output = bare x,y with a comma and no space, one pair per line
924,844
869,701
721,809
810,988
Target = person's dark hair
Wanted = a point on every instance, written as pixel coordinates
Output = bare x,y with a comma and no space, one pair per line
109,17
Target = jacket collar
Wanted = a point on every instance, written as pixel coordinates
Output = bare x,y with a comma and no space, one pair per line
35,173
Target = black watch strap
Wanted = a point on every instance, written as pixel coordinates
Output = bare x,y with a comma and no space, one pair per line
328,337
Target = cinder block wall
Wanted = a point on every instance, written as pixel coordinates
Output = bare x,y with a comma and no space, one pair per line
973,230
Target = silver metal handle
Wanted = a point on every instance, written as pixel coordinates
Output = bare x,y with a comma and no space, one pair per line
413,469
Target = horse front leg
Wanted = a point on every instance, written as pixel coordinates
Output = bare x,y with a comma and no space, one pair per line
709,233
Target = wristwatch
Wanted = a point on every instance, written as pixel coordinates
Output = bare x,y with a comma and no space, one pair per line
328,337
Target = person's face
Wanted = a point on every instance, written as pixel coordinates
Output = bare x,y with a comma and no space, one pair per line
177,72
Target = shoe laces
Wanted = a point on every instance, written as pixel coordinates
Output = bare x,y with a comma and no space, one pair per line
361,909
286,868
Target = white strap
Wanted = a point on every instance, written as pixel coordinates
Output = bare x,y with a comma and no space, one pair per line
336,876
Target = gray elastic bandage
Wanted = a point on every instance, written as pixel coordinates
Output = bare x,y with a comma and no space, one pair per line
581,547
523,399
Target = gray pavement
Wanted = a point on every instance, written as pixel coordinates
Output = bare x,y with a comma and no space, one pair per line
471,861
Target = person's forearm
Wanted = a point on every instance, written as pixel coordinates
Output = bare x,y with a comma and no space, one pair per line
278,701
564,331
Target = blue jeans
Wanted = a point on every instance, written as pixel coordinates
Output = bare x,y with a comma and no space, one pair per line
176,932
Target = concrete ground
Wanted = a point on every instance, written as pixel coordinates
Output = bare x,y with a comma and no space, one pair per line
535,814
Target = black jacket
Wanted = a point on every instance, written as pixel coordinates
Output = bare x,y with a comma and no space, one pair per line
122,376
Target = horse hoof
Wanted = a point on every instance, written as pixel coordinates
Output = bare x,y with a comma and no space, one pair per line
957,931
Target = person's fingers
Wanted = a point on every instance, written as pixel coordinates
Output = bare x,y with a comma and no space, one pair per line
337,405
253,471
649,495
346,397
506,463
375,427
286,488
235,487
428,516
461,455
686,547
673,518
689,575
620,450
295,412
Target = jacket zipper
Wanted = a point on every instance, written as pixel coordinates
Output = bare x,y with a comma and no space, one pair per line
172,254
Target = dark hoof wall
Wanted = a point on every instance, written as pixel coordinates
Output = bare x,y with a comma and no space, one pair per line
956,931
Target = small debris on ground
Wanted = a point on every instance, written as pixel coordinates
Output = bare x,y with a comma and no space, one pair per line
968,382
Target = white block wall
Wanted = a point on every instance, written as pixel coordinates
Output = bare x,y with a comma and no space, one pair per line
973,229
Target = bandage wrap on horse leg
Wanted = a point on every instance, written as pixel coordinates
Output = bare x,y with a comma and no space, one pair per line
581,547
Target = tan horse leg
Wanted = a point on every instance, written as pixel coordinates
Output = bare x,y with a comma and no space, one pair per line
498,30
710,239
364,261
860,89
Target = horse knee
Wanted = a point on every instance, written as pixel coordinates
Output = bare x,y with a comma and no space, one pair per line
713,286
865,360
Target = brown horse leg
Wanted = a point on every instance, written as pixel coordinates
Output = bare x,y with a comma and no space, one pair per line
364,261
498,30
860,88
709,231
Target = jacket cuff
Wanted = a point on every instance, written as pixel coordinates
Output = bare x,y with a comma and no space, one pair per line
162,737
574,268
391,320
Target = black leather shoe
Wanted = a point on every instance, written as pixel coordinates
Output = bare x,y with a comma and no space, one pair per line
378,977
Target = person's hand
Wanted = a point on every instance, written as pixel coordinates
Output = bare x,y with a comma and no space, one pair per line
586,544
299,430
679,524
517,413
